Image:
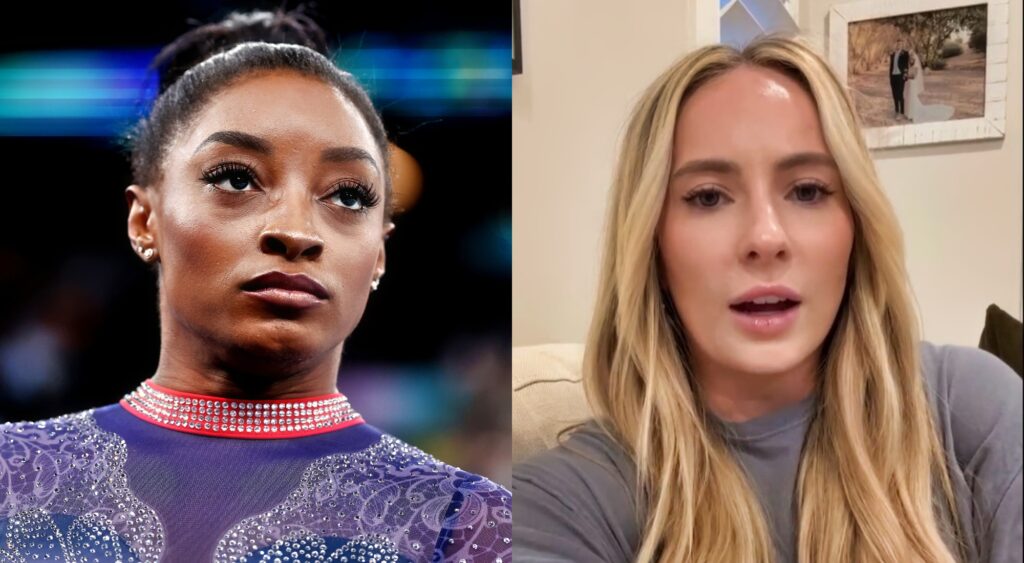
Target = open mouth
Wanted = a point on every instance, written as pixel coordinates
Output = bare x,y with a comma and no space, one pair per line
766,318
764,309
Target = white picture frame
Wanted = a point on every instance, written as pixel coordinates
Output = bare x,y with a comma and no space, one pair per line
992,125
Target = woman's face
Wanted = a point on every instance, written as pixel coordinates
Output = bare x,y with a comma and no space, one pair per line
278,173
754,200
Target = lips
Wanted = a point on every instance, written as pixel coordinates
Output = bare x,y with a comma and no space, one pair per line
287,282
772,297
766,311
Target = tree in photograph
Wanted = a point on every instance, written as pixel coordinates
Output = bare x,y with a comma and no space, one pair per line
928,31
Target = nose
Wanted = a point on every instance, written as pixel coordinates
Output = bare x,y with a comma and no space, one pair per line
291,245
290,232
766,237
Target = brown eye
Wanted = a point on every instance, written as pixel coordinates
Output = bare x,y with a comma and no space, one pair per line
350,198
354,196
236,181
230,177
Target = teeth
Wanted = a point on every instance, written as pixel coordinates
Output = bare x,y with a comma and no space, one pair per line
770,300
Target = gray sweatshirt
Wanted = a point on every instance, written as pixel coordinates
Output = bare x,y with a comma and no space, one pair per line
576,502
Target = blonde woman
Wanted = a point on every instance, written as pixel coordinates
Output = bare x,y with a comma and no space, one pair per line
754,365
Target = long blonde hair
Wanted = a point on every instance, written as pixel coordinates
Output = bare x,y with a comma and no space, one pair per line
872,462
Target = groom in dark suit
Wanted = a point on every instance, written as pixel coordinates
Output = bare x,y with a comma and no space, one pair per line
899,62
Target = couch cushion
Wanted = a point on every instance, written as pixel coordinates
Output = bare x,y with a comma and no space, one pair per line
547,395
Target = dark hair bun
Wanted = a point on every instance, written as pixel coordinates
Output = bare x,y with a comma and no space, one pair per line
195,46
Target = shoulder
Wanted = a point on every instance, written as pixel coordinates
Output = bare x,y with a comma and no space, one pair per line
396,496
39,458
588,457
953,368
409,459
577,500
978,402
414,467
43,435
472,514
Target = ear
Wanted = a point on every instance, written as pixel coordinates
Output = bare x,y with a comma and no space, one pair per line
141,219
381,258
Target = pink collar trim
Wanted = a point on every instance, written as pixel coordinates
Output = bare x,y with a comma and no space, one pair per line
231,418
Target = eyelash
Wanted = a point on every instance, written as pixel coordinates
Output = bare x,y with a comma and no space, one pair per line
366,196
819,188
368,199
226,170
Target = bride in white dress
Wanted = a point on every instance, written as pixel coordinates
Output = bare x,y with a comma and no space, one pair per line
917,111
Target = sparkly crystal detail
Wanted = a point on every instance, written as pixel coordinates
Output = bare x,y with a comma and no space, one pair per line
299,547
240,419
66,497
391,495
372,548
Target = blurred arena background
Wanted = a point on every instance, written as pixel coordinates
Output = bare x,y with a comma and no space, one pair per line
430,361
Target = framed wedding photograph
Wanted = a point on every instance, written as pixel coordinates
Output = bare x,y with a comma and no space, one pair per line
923,71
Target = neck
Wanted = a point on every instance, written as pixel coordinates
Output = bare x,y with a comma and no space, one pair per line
192,363
736,396
217,416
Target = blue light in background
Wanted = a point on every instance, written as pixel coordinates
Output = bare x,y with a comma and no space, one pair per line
79,93
101,93
489,248
404,400
454,74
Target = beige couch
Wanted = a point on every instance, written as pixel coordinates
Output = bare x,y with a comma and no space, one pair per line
547,396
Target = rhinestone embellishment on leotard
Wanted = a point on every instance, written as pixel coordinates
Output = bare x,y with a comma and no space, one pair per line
215,416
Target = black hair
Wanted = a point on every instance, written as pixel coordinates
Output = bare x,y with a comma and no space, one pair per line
203,61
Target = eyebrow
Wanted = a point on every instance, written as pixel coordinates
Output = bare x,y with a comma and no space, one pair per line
347,154
237,139
805,159
723,166
256,144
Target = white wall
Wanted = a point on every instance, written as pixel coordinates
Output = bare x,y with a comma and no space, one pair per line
960,208
585,63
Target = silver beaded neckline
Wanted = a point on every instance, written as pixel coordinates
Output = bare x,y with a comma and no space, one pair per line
216,416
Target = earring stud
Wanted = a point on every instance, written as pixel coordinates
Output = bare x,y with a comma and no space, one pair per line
147,254
375,284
